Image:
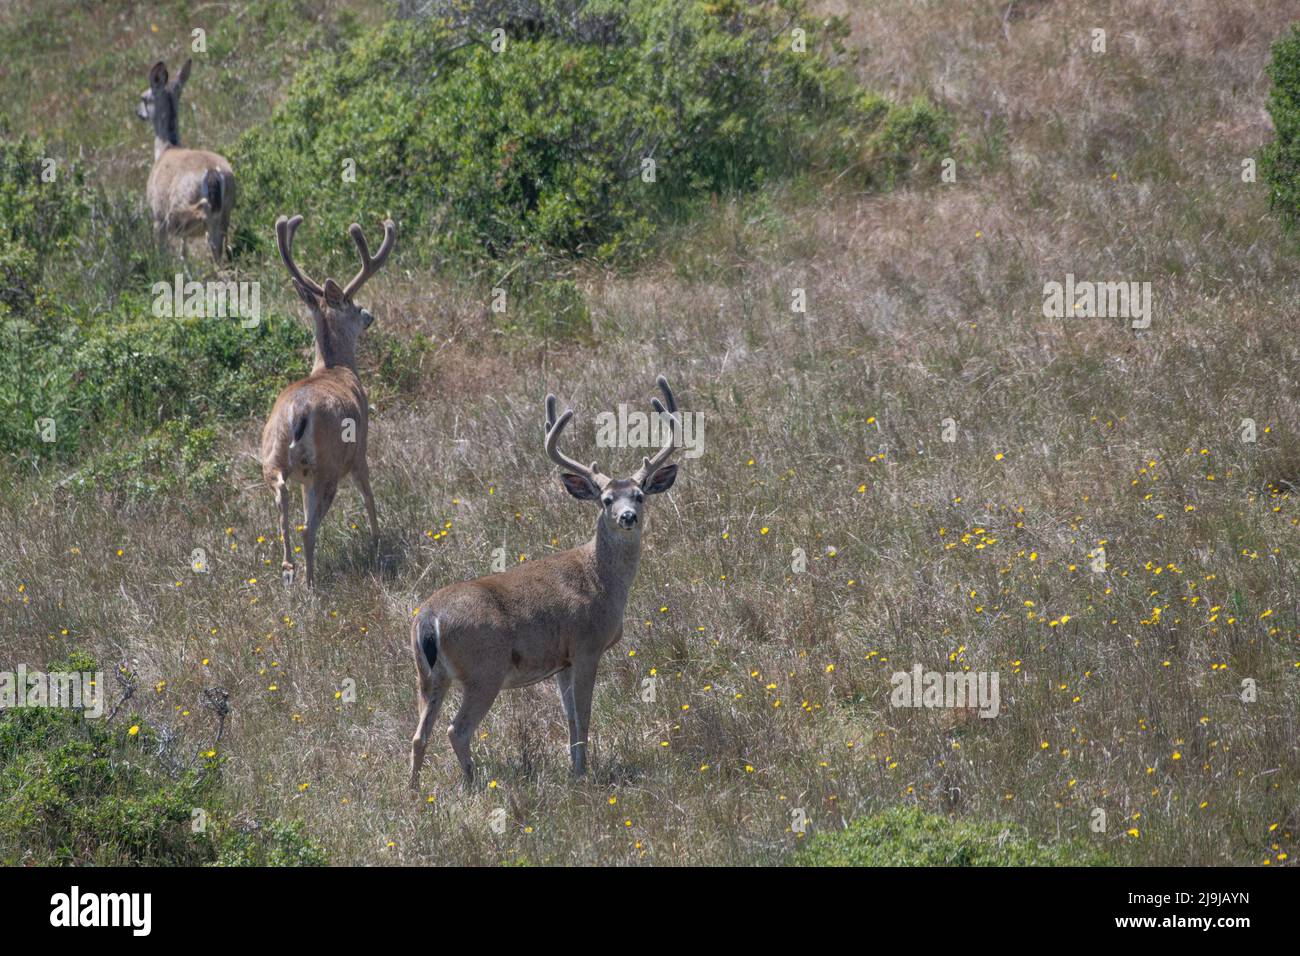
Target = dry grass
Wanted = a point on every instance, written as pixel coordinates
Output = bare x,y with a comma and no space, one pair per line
773,686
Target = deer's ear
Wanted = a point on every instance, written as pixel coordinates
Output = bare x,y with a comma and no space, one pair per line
158,75
661,480
306,295
579,487
182,76
333,294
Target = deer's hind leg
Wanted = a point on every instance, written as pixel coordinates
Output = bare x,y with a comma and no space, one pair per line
162,238
218,229
216,237
432,691
316,500
282,505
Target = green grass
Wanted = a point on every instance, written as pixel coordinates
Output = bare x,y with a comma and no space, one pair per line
909,837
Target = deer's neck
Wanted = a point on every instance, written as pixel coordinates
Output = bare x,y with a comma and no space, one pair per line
615,555
166,131
332,350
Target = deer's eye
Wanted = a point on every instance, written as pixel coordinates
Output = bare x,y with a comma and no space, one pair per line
640,497
607,500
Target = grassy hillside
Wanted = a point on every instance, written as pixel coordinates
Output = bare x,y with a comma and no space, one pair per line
823,432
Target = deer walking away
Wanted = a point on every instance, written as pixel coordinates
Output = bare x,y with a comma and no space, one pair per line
191,191
552,617
315,435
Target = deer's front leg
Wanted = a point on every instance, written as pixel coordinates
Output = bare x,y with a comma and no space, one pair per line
564,681
361,475
316,500
584,686
475,701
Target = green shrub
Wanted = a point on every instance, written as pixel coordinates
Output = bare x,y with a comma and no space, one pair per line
86,791
537,151
1280,160
42,209
905,836
179,456
122,365
909,140
78,791
280,844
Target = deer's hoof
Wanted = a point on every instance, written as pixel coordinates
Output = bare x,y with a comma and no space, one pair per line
286,572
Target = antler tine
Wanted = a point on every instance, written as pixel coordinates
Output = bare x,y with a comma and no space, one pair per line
666,409
668,395
554,427
284,230
370,266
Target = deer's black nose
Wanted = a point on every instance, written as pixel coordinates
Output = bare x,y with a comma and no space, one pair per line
627,519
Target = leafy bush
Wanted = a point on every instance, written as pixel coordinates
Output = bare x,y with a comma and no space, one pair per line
905,836
42,206
121,365
76,791
179,456
126,367
280,844
83,791
538,150
909,139
1280,161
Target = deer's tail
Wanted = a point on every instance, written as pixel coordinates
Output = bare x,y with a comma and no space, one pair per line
212,190
300,450
425,635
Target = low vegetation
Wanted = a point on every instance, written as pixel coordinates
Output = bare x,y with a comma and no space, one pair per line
906,836
1111,528
120,792
1281,156
566,136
